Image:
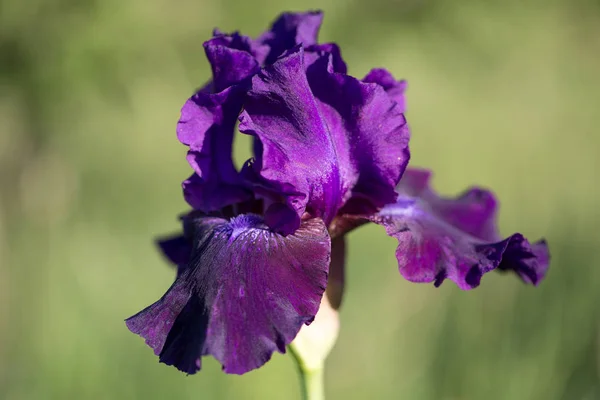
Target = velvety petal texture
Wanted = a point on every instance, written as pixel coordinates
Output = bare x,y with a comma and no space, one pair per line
325,137
177,249
298,157
208,118
395,89
207,126
454,238
368,125
245,293
231,60
330,51
530,262
289,30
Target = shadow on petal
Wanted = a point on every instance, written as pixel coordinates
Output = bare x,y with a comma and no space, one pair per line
245,293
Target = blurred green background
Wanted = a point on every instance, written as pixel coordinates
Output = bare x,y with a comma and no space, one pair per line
504,94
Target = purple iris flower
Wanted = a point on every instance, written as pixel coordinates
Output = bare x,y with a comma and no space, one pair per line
330,154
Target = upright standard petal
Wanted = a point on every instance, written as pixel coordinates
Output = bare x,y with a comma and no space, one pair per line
329,50
298,157
368,125
326,138
289,30
245,293
231,59
207,126
444,238
395,89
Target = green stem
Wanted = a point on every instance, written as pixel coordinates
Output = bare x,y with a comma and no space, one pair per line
311,379
312,384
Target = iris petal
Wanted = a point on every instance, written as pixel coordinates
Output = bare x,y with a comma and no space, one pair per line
154,322
207,126
289,30
370,134
330,50
443,238
208,118
298,156
176,249
246,293
231,59
395,89
326,138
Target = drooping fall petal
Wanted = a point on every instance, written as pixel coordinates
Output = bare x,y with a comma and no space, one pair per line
454,238
245,293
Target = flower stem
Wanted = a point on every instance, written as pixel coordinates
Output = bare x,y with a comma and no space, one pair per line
311,379
311,347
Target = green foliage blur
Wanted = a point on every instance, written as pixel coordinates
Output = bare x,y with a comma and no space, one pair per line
501,94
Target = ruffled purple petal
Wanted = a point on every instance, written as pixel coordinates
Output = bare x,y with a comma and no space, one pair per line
245,294
176,249
370,133
316,52
207,126
530,262
473,212
289,30
214,194
298,156
154,322
395,89
325,139
442,238
231,58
